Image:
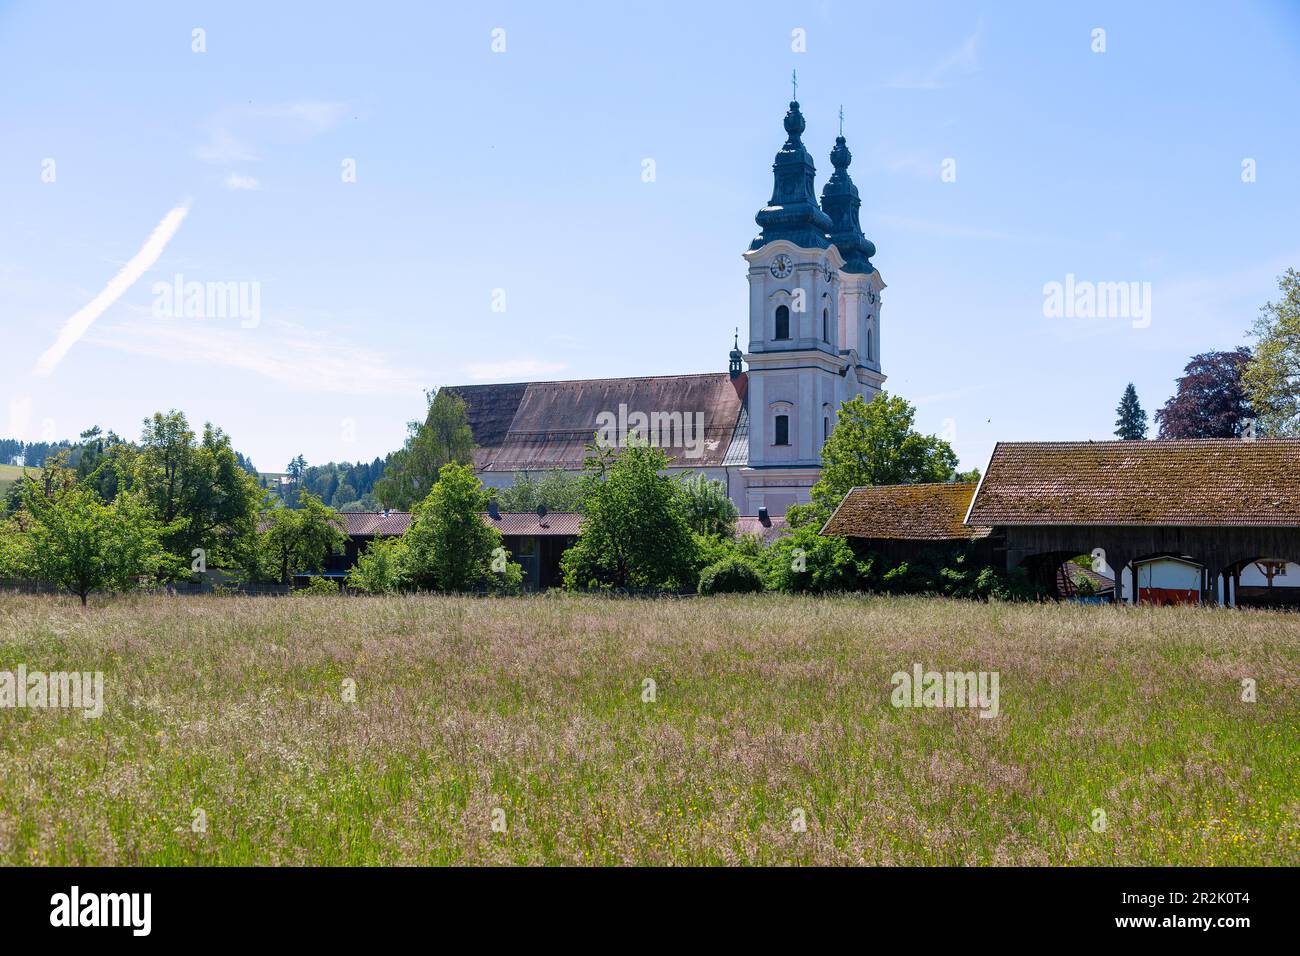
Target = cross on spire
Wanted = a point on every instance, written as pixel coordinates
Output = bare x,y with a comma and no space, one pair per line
794,84
841,119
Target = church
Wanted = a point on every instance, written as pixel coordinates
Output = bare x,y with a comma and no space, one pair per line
813,344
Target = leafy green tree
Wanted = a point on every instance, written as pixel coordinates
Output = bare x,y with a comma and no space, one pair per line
636,534
1272,379
874,443
197,489
557,490
298,540
443,438
380,568
79,543
1131,425
448,545
709,510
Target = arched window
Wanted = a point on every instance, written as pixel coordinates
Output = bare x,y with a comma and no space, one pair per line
782,322
871,344
826,325
826,428
782,430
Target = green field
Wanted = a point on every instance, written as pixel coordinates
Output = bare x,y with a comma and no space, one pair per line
11,473
529,712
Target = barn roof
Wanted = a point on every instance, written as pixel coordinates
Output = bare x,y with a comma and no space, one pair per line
536,426
930,512
1203,482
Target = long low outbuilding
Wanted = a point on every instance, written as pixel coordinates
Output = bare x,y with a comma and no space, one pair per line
1228,508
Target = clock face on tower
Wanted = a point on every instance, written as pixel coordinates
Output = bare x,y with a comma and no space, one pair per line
782,266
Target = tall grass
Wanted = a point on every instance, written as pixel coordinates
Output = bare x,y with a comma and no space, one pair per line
764,707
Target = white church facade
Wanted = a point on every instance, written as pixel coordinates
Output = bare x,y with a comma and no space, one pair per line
759,427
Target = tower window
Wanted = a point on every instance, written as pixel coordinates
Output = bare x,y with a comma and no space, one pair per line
782,322
782,430
871,344
826,325
826,428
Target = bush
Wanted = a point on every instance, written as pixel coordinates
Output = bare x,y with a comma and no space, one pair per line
730,576
380,569
315,586
806,561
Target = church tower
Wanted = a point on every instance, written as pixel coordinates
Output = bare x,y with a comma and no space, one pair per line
860,284
798,369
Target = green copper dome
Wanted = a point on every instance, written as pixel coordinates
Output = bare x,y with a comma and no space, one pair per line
792,213
840,201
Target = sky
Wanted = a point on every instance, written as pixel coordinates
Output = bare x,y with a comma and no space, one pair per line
400,196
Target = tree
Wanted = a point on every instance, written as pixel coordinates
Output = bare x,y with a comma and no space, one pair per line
448,545
197,490
297,540
557,490
79,543
636,534
444,438
1272,379
296,468
1209,401
708,509
874,444
1132,422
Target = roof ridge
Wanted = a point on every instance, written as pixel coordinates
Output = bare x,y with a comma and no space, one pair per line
583,381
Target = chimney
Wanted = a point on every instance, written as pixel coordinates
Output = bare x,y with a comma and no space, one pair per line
541,515
494,511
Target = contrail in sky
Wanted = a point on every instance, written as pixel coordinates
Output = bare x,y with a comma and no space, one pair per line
84,317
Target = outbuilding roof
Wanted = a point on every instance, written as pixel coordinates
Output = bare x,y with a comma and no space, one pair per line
392,523
1202,482
929,512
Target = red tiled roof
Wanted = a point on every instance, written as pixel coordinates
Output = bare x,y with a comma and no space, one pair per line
1202,482
557,523
377,523
769,531
931,512
536,426
384,523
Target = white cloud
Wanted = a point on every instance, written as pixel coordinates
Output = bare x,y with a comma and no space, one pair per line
961,62
232,132
138,265
520,368
285,352
236,181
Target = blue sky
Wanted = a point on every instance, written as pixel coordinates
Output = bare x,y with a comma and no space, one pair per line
522,171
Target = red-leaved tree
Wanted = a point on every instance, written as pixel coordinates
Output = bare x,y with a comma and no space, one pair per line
1209,402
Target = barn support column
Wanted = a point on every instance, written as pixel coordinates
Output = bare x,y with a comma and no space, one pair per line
1116,561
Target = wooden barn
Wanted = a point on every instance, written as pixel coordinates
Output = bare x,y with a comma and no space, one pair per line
1174,520
901,522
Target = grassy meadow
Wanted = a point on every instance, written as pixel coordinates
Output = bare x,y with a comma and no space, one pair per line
528,713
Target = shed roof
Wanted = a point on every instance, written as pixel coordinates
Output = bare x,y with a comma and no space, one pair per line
1202,482
929,512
